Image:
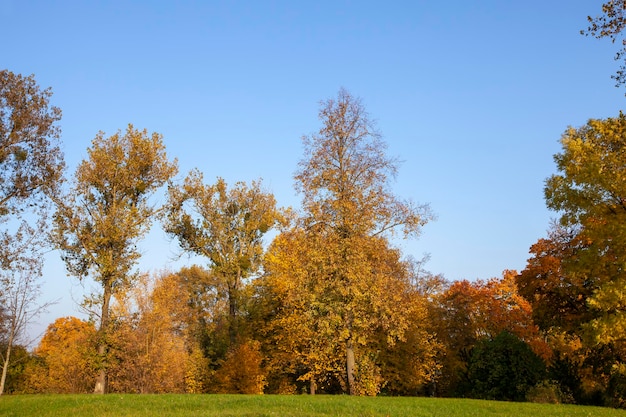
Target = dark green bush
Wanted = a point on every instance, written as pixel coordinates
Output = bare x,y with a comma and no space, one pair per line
503,368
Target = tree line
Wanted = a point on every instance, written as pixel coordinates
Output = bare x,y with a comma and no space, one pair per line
330,305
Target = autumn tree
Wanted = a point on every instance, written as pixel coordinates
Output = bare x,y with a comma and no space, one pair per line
226,226
30,158
108,209
589,194
301,302
20,291
610,24
31,168
559,299
349,210
66,358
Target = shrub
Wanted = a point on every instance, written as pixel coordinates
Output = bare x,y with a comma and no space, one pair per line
548,392
241,372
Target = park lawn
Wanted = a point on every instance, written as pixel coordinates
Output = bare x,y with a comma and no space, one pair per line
170,405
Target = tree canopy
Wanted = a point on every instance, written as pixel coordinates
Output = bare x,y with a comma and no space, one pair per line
108,209
353,281
225,226
30,156
590,192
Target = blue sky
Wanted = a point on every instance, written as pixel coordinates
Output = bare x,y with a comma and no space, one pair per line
471,96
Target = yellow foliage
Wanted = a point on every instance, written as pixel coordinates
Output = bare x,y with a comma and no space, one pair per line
326,300
196,372
149,352
108,210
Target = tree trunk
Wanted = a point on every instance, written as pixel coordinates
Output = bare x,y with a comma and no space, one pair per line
101,380
5,366
350,366
232,318
233,295
312,386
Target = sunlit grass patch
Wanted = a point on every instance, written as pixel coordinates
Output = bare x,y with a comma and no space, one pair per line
170,405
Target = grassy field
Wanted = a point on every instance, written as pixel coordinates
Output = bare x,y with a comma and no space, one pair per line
279,406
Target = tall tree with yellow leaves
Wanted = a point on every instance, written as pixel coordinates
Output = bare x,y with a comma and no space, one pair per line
589,193
351,274
98,224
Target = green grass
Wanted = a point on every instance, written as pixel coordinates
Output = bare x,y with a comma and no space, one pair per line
279,406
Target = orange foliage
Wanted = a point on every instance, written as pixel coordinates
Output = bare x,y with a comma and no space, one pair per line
475,310
469,311
67,356
241,372
558,299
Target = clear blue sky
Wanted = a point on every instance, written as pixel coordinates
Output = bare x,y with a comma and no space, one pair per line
472,96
